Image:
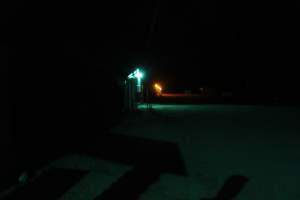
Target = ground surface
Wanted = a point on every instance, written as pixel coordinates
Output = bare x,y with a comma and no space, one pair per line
214,143
261,143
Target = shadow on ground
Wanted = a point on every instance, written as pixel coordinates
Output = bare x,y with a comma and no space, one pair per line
231,188
149,158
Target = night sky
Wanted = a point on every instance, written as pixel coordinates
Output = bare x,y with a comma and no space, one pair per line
181,43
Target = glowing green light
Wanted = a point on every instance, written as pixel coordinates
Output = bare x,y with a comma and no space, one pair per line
136,74
130,76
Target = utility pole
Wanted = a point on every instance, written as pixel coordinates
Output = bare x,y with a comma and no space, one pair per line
152,25
149,45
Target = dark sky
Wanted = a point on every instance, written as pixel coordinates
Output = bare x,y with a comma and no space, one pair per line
188,42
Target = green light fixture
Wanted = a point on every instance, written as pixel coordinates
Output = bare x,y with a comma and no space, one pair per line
138,75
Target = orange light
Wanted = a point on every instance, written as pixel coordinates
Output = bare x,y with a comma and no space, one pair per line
158,87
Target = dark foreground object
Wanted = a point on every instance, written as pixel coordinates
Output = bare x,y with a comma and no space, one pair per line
148,158
231,188
49,186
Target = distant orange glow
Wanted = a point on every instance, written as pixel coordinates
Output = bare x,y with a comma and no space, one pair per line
158,87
